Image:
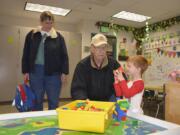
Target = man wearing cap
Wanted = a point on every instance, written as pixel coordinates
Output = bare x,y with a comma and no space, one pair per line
93,77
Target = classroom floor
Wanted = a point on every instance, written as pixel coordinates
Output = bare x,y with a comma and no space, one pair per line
8,108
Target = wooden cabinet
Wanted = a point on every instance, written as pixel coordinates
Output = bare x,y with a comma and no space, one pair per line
172,102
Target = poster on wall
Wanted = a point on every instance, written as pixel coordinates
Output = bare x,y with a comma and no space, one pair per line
127,48
160,68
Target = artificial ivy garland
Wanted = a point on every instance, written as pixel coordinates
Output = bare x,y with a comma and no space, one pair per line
139,33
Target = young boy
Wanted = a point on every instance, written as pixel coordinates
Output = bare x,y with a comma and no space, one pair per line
133,90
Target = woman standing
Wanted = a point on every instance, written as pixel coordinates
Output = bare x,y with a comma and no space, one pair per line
45,61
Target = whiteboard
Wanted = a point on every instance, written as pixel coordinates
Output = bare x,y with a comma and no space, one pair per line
161,65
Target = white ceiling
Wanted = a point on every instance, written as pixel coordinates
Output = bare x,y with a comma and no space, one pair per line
97,10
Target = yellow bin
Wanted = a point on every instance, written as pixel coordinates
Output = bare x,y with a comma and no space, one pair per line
81,120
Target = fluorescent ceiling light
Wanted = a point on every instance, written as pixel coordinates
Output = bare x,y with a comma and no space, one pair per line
131,16
42,8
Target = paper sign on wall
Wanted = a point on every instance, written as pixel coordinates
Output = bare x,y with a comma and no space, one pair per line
10,40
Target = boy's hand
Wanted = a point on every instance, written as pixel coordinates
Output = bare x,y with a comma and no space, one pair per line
115,76
118,75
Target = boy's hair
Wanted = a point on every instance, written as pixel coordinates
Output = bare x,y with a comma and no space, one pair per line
46,15
139,61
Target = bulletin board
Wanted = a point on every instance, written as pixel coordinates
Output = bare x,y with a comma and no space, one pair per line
163,57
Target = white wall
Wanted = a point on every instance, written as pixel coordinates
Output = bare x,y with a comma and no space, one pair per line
161,65
84,27
88,27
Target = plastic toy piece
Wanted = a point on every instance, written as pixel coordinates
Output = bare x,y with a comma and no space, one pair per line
120,113
116,124
86,106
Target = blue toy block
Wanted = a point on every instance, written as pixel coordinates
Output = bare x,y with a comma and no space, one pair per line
121,107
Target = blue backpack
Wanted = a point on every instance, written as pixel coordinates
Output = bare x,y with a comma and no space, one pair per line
24,98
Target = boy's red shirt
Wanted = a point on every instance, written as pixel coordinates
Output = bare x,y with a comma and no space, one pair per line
121,88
